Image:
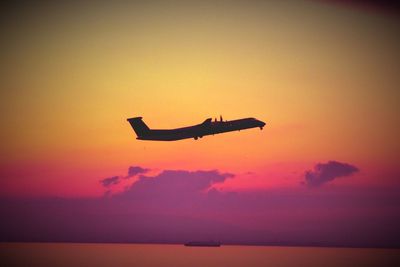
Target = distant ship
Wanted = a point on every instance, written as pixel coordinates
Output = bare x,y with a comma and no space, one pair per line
203,244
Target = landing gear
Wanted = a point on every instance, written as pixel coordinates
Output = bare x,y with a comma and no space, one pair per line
195,138
261,128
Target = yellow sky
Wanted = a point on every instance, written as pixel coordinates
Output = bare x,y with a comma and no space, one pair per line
323,77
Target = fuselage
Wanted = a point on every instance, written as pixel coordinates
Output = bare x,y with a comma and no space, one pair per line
208,127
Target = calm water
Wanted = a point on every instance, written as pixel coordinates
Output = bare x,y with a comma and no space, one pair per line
120,255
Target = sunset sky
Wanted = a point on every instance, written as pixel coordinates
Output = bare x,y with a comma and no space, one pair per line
323,75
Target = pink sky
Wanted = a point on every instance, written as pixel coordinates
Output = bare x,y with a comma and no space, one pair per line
323,76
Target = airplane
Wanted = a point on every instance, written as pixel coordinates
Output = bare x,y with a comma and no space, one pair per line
208,127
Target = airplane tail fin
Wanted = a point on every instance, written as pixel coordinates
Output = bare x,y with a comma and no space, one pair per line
139,126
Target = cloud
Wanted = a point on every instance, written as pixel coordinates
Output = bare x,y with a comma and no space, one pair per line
107,182
132,171
326,172
174,184
135,170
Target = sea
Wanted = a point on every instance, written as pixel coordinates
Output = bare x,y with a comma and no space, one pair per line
160,255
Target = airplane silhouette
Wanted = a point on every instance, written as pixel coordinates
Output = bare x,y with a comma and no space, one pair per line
208,127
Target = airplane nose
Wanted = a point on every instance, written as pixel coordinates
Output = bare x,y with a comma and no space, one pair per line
260,124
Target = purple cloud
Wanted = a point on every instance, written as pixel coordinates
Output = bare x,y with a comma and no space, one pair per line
132,171
107,182
326,172
172,185
135,170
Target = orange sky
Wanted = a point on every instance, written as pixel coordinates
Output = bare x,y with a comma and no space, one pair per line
323,77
